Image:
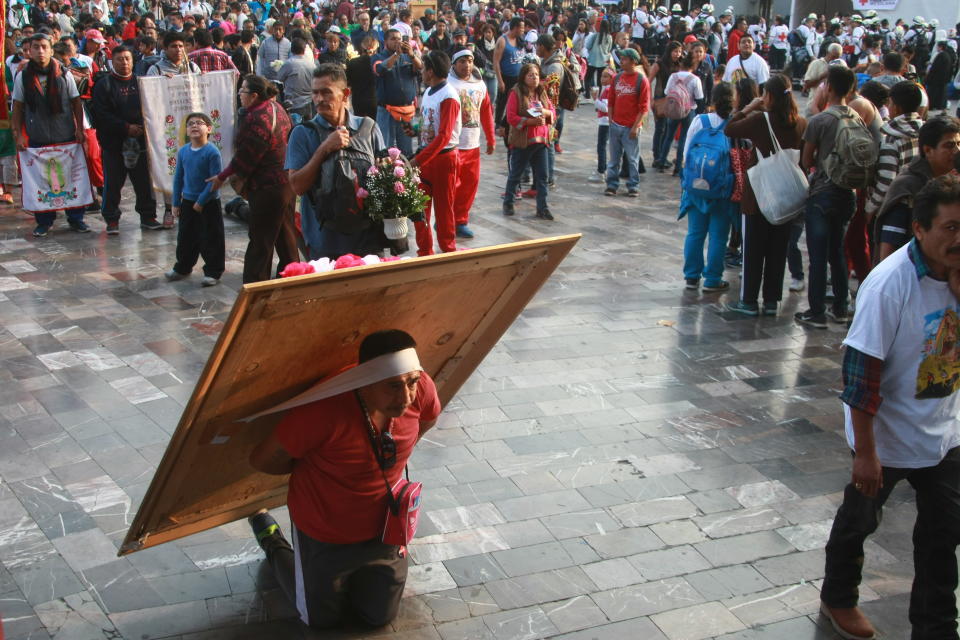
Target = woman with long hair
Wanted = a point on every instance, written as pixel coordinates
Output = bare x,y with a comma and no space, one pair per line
599,46
708,220
764,244
259,152
660,72
746,90
694,89
530,115
485,43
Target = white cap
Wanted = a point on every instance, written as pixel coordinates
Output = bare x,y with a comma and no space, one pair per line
856,18
918,20
728,12
812,16
663,11
676,8
934,23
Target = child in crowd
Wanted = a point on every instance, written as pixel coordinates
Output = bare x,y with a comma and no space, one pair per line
197,205
603,120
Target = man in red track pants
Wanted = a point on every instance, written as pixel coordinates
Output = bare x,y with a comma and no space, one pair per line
438,159
475,112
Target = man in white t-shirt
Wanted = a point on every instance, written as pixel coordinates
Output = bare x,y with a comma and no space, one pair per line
747,63
639,20
901,374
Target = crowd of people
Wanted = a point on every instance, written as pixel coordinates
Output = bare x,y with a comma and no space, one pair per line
863,167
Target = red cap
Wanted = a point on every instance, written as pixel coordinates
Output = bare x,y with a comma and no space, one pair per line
690,38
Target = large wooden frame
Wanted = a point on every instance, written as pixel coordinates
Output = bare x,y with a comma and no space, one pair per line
282,336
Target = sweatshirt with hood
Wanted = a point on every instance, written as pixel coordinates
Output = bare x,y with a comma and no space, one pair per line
900,145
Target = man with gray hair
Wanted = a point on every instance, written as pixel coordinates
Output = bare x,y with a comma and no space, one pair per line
817,71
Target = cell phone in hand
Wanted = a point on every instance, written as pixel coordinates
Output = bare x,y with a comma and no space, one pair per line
405,39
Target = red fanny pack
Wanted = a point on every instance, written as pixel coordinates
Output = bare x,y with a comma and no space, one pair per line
403,512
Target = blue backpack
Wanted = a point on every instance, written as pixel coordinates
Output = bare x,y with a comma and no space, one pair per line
706,169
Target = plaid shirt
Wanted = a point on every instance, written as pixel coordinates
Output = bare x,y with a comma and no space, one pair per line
210,59
900,145
862,372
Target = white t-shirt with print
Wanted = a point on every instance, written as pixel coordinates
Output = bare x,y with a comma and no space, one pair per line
913,325
755,67
778,36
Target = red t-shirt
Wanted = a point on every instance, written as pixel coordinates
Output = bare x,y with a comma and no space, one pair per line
625,103
337,494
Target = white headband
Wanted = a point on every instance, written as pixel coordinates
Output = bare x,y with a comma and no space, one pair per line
380,368
461,53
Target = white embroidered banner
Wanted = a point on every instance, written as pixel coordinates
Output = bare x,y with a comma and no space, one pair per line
55,177
166,104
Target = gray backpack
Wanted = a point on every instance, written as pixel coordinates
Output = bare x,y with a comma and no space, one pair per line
852,164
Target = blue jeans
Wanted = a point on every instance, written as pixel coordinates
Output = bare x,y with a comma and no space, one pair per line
621,143
534,156
46,218
827,215
667,141
711,219
393,135
603,135
794,258
659,124
492,89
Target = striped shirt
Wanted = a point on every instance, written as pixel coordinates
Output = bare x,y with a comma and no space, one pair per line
900,145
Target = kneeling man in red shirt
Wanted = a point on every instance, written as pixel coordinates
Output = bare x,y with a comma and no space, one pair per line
338,451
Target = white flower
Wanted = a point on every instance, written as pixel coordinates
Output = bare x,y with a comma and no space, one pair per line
322,265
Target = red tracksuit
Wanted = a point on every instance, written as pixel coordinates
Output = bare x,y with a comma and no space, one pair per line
439,162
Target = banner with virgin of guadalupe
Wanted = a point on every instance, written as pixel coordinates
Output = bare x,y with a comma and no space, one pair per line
55,177
166,104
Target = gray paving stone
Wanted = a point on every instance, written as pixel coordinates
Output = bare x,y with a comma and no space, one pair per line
635,628
533,559
118,587
743,548
727,582
624,542
548,586
667,563
578,612
646,599
544,504
697,622
529,623
471,570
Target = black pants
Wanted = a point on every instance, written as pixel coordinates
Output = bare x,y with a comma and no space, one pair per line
500,114
200,234
764,258
115,173
270,225
933,606
330,582
778,58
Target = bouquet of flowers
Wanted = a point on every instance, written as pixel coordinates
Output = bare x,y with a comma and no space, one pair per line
393,193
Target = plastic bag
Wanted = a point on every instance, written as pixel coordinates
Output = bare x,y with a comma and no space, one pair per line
778,182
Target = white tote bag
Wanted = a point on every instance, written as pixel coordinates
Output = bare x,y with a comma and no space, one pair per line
778,182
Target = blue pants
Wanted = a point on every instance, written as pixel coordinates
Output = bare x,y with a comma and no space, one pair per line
827,215
667,141
393,135
535,155
492,89
659,125
603,135
621,143
710,219
46,218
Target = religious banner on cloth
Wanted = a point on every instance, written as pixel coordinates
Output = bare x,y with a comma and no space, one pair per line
55,177
166,104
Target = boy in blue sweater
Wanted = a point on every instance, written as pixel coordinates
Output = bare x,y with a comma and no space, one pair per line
197,205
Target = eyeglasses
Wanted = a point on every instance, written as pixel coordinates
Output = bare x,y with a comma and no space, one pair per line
196,123
244,91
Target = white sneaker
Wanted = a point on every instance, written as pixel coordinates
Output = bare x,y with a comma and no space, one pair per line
174,275
597,177
209,282
797,285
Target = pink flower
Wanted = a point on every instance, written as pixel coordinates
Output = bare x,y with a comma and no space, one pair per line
362,193
390,259
373,171
416,178
399,188
296,269
399,172
393,152
347,261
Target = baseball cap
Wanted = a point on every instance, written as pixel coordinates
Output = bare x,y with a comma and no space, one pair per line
629,53
95,35
690,38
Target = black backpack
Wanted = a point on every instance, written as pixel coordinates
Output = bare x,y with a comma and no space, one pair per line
795,39
334,195
569,93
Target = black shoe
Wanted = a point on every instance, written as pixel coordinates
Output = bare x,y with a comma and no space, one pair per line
113,228
818,321
609,191
545,214
267,532
840,317
80,227
152,224
640,167
93,208
723,285
508,209
693,283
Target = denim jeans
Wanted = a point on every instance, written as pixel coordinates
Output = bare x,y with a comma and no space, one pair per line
933,607
46,218
620,143
667,141
659,125
794,258
393,135
603,135
827,215
492,89
711,219
534,156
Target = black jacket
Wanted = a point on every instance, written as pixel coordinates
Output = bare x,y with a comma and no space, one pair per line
115,104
